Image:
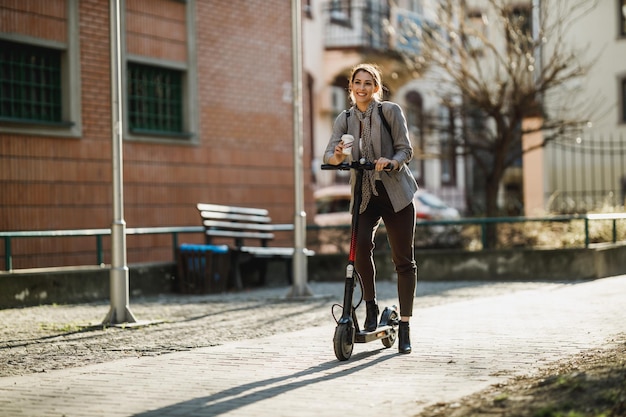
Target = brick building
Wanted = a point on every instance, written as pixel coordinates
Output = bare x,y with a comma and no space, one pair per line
208,118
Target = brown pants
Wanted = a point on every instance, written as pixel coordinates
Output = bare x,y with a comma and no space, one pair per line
400,232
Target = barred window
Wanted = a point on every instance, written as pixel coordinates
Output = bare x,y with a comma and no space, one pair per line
622,14
154,99
30,83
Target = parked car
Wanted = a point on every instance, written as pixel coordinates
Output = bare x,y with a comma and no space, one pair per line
430,207
333,215
333,203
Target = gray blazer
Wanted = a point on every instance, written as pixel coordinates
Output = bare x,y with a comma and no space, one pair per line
399,184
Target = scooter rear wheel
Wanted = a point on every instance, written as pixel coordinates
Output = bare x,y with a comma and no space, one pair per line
390,318
343,341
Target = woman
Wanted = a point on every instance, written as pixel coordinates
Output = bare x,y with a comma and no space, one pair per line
387,195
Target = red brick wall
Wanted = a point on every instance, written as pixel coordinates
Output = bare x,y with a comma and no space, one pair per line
40,19
245,150
156,28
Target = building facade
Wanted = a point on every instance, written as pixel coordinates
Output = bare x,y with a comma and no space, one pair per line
208,117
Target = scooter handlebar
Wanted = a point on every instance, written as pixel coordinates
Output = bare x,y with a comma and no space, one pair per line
344,166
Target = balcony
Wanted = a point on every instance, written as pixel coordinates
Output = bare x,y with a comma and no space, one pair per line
371,26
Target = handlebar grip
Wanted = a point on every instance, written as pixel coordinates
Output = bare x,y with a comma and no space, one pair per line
342,167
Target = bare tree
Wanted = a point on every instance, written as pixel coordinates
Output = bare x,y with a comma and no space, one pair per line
496,64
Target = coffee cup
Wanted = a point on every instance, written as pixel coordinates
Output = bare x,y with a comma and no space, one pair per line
347,141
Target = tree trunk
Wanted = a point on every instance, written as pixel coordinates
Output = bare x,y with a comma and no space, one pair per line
491,210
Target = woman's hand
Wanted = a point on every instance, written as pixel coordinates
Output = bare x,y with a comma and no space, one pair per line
382,163
338,157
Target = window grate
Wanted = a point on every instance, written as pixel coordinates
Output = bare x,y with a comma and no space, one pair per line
154,99
30,83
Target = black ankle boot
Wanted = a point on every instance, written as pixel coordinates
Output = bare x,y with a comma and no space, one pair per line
404,340
371,316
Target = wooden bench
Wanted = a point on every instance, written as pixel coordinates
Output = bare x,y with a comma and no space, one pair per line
251,231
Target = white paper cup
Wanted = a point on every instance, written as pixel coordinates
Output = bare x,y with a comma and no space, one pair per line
348,141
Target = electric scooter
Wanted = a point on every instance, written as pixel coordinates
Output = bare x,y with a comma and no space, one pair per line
348,331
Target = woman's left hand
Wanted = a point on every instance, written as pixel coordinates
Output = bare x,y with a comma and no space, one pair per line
382,163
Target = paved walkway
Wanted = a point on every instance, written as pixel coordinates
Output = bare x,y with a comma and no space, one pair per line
458,348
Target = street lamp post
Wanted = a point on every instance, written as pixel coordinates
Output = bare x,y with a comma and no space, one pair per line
300,287
120,310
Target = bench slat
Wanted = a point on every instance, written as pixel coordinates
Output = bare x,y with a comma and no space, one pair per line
216,224
236,234
232,209
212,215
272,251
241,223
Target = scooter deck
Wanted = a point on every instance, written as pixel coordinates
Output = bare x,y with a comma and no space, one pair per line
381,332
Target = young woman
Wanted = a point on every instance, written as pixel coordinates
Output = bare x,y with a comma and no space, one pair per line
387,195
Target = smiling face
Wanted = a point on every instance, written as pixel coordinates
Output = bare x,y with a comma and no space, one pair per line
363,87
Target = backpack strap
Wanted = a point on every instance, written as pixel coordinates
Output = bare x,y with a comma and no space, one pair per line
382,117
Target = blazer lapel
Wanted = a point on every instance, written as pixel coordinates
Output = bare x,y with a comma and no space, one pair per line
376,133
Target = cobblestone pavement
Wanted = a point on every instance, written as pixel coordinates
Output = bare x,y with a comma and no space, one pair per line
45,338
257,353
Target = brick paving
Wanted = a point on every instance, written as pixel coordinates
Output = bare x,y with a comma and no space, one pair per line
460,346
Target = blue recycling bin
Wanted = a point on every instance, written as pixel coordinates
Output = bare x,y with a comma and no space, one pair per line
203,269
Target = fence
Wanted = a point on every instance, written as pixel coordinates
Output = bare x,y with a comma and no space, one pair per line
174,232
586,174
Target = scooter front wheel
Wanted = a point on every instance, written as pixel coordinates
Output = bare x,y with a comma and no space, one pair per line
343,341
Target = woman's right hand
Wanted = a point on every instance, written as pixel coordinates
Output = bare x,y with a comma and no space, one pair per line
338,157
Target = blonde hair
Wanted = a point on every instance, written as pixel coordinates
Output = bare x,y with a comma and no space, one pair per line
372,70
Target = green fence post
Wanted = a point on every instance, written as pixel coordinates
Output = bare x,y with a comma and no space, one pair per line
174,243
8,261
614,230
483,236
586,232
99,255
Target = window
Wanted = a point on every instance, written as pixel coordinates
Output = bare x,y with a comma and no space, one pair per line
40,80
416,6
307,7
159,73
30,83
476,29
416,122
622,14
623,100
447,147
520,27
340,12
154,100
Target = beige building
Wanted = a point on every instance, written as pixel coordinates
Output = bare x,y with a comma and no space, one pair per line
584,172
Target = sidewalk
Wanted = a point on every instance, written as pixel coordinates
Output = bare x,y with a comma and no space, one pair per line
458,348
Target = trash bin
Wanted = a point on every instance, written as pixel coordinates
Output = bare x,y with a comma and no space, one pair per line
203,269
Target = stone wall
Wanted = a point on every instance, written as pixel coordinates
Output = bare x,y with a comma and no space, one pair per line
87,284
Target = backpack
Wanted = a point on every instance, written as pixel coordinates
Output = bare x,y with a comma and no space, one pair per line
382,117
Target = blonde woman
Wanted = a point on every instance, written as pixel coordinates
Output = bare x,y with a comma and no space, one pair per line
383,138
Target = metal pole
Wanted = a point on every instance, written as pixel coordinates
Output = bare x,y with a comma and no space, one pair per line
300,287
119,311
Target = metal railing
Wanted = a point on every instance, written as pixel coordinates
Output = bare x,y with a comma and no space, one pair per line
98,234
586,218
